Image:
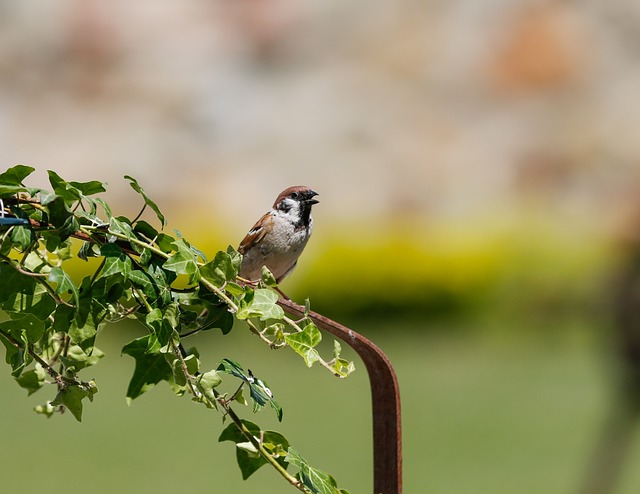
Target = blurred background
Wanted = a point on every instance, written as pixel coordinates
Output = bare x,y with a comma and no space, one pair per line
478,167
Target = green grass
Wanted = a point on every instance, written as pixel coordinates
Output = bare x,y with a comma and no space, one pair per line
484,411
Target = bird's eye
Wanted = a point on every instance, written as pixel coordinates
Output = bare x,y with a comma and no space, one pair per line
294,195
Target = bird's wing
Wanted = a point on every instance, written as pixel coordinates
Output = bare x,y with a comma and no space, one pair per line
257,233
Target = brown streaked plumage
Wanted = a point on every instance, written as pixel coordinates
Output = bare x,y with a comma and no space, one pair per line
279,237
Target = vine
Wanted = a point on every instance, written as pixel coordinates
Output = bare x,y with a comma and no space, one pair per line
52,322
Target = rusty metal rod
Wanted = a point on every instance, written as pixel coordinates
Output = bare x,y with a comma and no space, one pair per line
385,397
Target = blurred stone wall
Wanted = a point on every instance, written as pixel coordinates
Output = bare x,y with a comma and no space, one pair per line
432,108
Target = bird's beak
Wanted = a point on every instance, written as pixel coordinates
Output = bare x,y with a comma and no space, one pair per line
310,197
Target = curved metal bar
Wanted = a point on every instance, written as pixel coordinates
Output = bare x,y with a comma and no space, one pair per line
385,396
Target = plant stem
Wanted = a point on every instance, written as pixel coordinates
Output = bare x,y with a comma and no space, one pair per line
236,420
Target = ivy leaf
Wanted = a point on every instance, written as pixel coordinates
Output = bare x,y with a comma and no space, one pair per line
136,186
76,359
87,250
83,335
88,188
13,282
71,397
62,318
71,192
342,367
304,343
15,357
153,284
32,380
268,278
163,323
122,226
11,180
24,326
317,481
206,382
64,283
192,364
47,197
23,236
115,261
151,366
220,270
248,458
47,410
35,301
260,303
165,243
217,316
183,261
232,367
259,391
16,175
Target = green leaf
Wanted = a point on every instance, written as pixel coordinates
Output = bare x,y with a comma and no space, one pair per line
206,383
71,192
83,335
61,218
91,311
183,261
261,303
87,250
24,326
151,366
16,175
342,367
35,301
143,228
153,284
115,261
11,190
165,243
76,359
47,197
217,316
63,189
88,188
164,323
122,226
193,367
268,278
232,367
317,481
13,282
135,186
248,461
248,458
236,257
62,318
64,283
71,397
17,358
304,343
32,380
47,410
259,391
220,270
23,236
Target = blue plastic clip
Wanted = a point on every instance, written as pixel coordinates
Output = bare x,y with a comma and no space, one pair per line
10,220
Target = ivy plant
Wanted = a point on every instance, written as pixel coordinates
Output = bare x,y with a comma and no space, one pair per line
52,322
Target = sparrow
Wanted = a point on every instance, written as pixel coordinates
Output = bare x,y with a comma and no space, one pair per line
279,237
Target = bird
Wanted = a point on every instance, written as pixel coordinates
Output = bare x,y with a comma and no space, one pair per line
278,238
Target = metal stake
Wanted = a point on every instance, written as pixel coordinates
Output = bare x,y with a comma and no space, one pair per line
385,397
